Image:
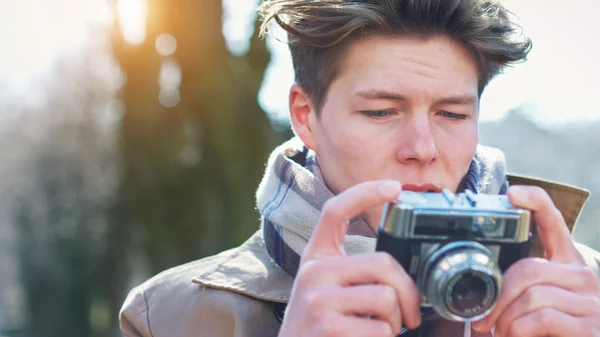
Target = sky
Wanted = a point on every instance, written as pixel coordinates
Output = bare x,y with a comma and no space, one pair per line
557,85
34,34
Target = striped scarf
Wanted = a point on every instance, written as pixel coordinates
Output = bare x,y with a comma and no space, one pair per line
293,192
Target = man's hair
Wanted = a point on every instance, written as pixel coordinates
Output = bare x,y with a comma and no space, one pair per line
319,31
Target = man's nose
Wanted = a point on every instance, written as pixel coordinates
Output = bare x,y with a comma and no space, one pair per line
418,144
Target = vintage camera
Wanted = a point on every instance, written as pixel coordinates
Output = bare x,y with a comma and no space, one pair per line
455,247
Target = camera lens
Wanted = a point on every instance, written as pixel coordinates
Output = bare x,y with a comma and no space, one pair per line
461,281
470,293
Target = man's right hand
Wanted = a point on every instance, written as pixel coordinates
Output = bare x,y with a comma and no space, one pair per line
360,295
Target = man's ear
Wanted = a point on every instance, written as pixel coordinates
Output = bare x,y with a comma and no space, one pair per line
302,115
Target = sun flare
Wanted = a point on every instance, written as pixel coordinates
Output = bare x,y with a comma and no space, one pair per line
132,15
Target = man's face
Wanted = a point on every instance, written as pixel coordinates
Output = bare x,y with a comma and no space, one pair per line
400,108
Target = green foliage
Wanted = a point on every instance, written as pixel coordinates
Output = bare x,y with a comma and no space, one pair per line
191,171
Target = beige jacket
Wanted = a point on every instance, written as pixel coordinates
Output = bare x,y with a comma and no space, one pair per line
234,294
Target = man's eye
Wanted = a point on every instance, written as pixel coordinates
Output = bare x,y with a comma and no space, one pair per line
377,113
454,116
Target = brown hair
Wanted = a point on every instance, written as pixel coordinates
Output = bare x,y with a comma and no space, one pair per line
319,31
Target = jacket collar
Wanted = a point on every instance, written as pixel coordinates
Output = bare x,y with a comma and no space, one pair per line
249,270
568,199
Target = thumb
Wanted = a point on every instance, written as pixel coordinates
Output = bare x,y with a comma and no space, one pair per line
328,236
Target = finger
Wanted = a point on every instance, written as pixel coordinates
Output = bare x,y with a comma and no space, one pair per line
548,322
529,272
551,227
376,301
328,236
365,269
543,296
342,325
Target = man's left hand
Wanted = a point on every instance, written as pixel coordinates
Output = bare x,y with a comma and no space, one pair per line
555,296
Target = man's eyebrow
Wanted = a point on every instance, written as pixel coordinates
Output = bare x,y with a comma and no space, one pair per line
383,94
461,99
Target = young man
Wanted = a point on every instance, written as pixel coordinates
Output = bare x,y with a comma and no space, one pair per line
386,99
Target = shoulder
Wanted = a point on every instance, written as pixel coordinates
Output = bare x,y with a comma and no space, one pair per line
569,200
213,295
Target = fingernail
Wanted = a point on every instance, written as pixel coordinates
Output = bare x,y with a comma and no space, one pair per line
390,188
517,192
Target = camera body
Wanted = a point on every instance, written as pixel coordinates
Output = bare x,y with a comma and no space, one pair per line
455,247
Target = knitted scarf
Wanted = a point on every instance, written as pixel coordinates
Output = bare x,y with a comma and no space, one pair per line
292,194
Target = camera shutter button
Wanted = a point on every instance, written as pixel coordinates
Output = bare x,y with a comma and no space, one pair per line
471,198
449,196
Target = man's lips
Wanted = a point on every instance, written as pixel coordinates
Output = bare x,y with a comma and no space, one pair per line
423,187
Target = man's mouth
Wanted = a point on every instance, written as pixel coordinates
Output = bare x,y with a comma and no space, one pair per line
422,187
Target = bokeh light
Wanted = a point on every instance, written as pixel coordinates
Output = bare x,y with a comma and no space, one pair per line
169,97
169,80
166,44
170,74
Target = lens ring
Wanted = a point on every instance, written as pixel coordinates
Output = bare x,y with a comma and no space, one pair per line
448,263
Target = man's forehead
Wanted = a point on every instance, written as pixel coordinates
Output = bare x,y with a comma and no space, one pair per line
382,63
414,49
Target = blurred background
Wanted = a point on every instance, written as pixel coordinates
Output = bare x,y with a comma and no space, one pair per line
133,134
